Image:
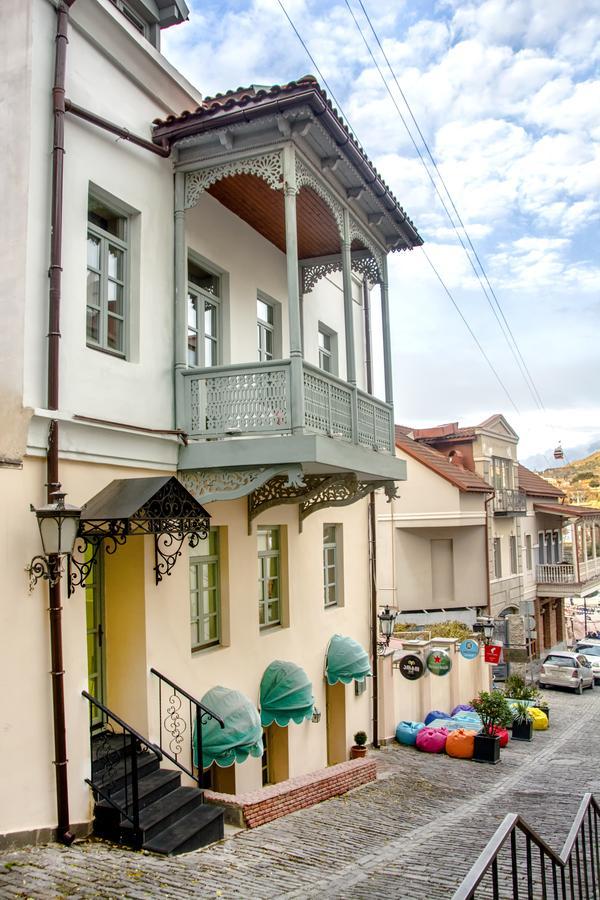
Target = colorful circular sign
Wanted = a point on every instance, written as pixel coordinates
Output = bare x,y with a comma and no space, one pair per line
438,662
469,649
411,666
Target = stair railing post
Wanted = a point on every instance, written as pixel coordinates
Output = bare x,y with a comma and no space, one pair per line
134,787
198,745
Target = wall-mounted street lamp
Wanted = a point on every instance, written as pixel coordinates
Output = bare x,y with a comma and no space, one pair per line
387,619
58,523
485,626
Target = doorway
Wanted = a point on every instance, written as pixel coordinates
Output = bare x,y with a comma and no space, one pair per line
275,761
337,750
95,631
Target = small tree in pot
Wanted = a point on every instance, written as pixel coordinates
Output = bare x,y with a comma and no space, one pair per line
360,745
522,725
494,712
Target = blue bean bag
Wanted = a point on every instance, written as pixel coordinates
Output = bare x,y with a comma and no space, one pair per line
467,717
435,714
462,707
406,732
449,724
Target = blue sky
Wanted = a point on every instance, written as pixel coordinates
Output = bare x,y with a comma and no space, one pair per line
507,94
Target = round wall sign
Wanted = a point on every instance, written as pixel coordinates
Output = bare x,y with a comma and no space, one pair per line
438,662
411,666
469,649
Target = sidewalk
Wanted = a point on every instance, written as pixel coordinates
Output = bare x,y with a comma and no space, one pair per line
412,834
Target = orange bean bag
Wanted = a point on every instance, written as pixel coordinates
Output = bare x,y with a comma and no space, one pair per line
461,744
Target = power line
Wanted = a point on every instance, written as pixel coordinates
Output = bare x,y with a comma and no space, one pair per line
527,377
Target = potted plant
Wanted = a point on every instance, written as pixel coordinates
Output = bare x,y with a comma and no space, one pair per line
522,724
516,688
360,745
494,712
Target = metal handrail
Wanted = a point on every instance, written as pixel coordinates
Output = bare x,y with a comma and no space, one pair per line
129,728
175,725
562,863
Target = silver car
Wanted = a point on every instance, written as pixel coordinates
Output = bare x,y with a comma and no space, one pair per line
591,650
565,669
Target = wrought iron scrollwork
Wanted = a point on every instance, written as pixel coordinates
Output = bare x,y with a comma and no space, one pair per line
174,724
88,548
167,548
106,756
47,567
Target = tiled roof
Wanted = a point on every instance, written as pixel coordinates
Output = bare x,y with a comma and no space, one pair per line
535,485
462,478
564,509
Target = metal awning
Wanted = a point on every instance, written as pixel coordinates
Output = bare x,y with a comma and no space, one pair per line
126,507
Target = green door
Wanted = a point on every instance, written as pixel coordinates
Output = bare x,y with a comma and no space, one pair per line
94,614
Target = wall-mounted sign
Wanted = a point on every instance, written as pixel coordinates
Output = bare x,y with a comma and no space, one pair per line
411,666
515,655
493,653
469,649
438,662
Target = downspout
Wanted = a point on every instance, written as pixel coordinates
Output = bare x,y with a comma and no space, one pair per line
55,276
487,553
372,529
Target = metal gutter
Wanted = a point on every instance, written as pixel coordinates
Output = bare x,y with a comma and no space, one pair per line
124,133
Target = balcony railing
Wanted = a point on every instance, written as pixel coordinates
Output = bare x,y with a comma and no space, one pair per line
256,399
508,501
565,573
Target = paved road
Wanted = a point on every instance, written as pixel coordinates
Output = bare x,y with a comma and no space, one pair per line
412,834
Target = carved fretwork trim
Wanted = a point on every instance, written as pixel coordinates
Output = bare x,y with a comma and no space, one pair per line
305,178
366,265
210,485
313,274
269,167
276,491
357,233
340,490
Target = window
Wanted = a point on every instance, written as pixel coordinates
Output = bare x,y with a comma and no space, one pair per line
265,316
497,558
528,552
548,548
513,555
203,303
327,350
205,600
331,584
556,546
502,473
107,273
269,575
541,554
130,15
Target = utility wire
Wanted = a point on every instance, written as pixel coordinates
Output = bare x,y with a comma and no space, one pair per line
502,318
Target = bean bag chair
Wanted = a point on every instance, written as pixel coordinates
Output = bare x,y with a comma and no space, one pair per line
540,719
435,714
448,724
468,719
432,740
462,707
461,744
502,733
406,732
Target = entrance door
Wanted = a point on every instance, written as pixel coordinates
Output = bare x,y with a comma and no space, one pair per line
94,617
337,750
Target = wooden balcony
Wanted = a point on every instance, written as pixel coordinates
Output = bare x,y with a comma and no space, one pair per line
509,502
566,579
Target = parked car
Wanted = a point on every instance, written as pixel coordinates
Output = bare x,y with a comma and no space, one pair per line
565,669
591,650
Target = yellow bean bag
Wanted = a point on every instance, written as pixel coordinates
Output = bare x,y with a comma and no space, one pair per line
540,719
461,744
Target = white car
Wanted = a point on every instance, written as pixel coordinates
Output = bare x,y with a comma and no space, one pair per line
565,669
591,650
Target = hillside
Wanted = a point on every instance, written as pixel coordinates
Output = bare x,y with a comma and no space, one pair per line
579,479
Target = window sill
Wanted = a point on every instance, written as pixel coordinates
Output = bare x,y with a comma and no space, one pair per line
267,629
203,648
108,352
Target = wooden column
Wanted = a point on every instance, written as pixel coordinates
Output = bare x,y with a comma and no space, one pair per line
348,303
293,285
180,281
387,337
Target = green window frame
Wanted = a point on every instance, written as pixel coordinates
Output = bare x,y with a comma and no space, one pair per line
269,575
205,593
330,565
497,550
204,316
107,295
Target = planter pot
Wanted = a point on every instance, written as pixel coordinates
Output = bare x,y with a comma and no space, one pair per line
544,709
357,752
487,748
522,731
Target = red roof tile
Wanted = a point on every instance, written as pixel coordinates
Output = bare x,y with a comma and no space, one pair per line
568,510
535,485
462,478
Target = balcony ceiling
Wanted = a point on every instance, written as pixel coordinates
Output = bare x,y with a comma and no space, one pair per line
262,208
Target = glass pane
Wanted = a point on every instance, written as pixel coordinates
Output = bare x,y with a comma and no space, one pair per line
195,637
92,654
210,352
93,251
273,588
115,298
192,348
193,577
115,334
93,325
264,311
115,262
192,308
194,605
262,539
273,613
329,534
261,613
211,629
210,319
269,344
213,542
93,288
330,598
212,602
203,279
273,538
102,216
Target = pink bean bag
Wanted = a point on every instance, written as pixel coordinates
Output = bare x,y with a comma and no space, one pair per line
461,744
432,740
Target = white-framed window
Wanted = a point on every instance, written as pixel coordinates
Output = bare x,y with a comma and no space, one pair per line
205,593
203,315
107,277
331,565
503,472
541,552
513,555
265,324
556,542
269,575
497,550
327,350
528,552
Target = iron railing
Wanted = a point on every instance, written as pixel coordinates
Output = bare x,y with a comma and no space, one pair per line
181,717
508,501
114,761
530,868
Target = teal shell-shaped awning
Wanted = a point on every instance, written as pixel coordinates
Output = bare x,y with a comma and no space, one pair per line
346,660
240,738
285,694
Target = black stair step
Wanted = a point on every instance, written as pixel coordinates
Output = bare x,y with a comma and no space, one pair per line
112,779
151,787
201,827
163,812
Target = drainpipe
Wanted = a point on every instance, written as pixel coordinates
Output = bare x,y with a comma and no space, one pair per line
487,553
55,276
372,529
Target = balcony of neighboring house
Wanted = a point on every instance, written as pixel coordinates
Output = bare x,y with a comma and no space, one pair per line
292,408
509,502
568,550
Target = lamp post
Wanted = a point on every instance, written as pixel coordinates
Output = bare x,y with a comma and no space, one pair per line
387,619
58,524
485,626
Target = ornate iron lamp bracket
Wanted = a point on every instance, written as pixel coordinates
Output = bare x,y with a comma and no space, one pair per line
49,568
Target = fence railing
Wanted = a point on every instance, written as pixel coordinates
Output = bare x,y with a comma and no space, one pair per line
509,500
557,573
517,863
114,762
180,721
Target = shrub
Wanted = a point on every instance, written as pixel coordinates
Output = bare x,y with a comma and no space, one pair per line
493,710
360,738
516,687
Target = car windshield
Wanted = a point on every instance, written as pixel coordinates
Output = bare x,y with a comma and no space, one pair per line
565,661
589,651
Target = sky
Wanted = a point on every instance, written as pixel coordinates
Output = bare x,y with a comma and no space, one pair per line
507,96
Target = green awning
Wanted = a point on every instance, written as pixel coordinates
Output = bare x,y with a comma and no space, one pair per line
242,735
346,660
285,693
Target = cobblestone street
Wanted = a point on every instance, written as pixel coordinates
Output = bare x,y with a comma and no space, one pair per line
412,834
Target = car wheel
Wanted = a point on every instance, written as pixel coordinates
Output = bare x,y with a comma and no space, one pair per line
579,688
